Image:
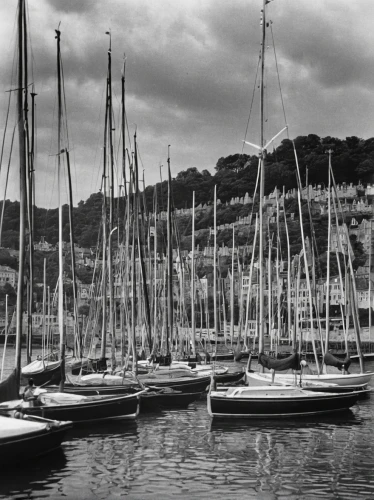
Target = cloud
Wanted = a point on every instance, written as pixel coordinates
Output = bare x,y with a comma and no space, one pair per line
190,74
73,6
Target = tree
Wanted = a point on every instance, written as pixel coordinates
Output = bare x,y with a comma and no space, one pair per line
365,168
234,162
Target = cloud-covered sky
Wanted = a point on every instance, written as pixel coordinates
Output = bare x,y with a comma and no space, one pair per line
190,72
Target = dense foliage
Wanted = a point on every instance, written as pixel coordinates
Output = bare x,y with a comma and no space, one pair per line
352,161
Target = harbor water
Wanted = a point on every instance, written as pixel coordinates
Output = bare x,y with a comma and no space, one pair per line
182,454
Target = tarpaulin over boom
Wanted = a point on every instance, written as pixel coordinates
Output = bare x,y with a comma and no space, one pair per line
331,360
292,362
8,388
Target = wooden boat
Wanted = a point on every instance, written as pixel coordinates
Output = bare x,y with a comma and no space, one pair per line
166,398
85,366
25,439
347,379
229,377
224,356
42,372
183,384
276,402
182,368
78,408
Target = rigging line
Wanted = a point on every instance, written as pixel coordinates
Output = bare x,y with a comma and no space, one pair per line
250,109
65,126
6,182
128,131
30,40
253,204
97,147
15,50
5,129
49,156
279,83
53,186
65,112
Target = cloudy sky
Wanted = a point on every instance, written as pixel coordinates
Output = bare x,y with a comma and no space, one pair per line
190,72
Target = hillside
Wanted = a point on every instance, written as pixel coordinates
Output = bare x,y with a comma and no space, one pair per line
352,162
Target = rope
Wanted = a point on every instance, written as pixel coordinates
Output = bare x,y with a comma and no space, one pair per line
5,129
6,183
250,109
279,83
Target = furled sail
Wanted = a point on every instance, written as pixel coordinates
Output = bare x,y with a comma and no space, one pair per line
292,362
8,388
331,360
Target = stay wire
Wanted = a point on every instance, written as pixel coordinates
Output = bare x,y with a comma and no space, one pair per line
253,96
279,83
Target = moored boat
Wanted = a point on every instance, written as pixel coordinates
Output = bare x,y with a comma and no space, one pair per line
166,398
341,379
26,439
77,408
276,402
42,372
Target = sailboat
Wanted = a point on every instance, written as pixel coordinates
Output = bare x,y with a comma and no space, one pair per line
58,405
271,401
24,438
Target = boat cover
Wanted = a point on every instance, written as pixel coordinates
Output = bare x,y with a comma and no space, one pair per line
39,366
8,388
292,362
331,360
13,427
60,398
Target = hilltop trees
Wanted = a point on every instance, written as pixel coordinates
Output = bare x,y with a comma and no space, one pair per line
235,175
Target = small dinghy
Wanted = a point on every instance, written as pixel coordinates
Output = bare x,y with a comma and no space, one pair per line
28,438
157,398
42,371
77,408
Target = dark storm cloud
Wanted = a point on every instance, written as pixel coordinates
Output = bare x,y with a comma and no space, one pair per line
69,6
190,73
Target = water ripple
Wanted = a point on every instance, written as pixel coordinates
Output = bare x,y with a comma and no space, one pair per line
183,454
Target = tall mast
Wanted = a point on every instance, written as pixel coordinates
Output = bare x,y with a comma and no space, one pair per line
262,185
77,332
133,269
170,262
31,200
216,327
288,276
193,322
141,253
232,287
28,193
22,84
328,257
111,208
123,109
104,223
370,246
59,187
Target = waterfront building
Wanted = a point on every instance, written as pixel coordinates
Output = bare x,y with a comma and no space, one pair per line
7,276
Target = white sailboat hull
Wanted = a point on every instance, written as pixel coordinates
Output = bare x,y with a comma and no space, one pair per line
352,379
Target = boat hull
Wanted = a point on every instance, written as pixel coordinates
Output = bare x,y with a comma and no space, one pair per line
42,373
187,384
29,445
105,408
349,379
229,377
151,401
229,356
99,390
220,406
